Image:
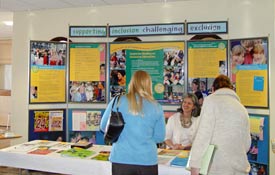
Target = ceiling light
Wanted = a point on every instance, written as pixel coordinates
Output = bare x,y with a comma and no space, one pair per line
8,23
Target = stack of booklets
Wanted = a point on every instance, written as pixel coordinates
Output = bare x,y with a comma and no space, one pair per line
82,144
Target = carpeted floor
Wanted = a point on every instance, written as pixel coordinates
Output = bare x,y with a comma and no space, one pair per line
15,171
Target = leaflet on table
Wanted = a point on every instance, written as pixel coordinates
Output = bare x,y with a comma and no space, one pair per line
102,155
42,150
179,161
169,152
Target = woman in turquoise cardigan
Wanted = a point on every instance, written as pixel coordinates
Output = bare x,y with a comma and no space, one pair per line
135,151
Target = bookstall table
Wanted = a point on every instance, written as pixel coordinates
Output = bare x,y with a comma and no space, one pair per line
19,156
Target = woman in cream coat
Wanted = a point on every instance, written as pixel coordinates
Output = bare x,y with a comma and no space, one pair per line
224,122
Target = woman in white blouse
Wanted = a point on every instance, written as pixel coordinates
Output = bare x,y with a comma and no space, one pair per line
182,126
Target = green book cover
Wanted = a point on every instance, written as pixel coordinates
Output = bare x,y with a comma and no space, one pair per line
77,152
206,160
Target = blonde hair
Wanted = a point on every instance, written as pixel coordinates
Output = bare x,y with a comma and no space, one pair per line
259,49
238,50
139,88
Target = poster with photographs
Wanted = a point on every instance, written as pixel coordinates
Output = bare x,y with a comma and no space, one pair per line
206,60
249,70
164,61
87,78
258,153
47,124
83,124
86,120
47,72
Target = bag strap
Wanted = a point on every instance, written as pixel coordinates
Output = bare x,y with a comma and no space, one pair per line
116,99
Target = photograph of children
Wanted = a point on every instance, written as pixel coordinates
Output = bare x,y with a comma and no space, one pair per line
253,151
222,68
118,78
48,53
33,92
93,120
173,75
87,92
118,59
76,136
117,90
258,169
203,85
247,52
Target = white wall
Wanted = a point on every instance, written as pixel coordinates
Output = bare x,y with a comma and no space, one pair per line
247,18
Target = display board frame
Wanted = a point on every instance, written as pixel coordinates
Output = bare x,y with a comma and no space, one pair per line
250,78
258,154
47,72
201,73
87,72
84,124
47,124
151,57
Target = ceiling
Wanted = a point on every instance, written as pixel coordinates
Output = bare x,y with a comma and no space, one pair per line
7,7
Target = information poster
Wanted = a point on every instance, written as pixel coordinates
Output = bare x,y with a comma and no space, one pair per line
87,79
164,61
206,60
84,124
249,65
47,125
47,72
258,153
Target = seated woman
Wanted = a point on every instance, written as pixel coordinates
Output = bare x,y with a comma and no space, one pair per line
182,126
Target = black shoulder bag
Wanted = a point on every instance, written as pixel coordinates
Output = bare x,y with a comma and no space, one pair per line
115,124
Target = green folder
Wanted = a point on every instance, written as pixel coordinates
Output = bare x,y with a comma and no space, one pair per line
206,160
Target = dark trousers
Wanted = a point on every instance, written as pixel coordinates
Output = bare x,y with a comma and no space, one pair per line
126,169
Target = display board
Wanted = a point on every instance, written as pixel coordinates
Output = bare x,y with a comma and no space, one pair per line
249,70
47,124
47,72
84,124
258,153
206,60
87,78
164,61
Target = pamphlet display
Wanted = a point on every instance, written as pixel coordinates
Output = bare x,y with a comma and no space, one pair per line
249,70
47,124
164,61
47,72
87,78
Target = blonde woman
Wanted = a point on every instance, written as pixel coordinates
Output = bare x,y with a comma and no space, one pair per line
135,152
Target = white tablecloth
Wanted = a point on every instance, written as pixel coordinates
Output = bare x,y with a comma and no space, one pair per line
17,156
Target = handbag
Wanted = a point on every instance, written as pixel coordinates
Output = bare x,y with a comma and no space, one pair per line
115,124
